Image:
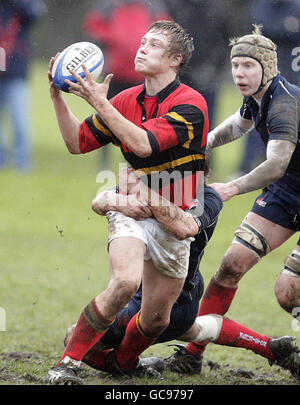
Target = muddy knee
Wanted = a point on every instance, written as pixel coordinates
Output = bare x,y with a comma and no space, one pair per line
247,248
124,290
155,324
287,287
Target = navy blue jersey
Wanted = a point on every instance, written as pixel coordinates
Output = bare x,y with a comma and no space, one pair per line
278,118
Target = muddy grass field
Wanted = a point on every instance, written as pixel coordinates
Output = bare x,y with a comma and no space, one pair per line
53,257
25,368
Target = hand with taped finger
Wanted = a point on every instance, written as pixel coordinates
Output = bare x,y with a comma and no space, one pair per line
88,89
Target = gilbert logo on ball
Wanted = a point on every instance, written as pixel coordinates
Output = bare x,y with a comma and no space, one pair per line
72,58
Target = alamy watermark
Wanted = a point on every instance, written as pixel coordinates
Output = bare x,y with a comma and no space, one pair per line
296,60
2,320
2,60
183,189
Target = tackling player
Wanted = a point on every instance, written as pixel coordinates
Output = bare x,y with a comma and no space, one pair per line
183,324
161,127
272,105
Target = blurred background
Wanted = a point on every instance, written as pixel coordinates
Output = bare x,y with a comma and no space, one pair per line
53,252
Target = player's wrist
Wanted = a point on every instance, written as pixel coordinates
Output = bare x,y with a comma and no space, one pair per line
234,188
101,103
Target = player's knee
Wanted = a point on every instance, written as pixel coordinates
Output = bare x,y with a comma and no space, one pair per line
247,248
124,289
156,324
232,267
284,295
287,286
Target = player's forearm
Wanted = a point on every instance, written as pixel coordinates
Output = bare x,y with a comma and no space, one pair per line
279,153
229,130
68,124
135,138
173,218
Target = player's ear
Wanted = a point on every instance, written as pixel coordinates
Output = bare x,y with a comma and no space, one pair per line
176,60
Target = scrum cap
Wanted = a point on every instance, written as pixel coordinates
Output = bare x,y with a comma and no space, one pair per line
260,48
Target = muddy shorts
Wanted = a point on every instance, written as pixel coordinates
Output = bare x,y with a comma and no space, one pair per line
280,203
169,254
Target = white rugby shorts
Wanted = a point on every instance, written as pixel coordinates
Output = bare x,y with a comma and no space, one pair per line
169,254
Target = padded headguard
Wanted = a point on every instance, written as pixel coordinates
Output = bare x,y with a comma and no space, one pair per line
260,48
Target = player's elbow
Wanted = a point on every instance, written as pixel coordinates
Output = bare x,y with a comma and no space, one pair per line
278,169
73,149
143,151
142,147
97,205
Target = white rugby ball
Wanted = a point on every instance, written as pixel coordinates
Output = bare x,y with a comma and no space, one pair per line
72,58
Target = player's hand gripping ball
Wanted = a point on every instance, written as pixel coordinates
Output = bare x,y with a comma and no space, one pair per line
72,58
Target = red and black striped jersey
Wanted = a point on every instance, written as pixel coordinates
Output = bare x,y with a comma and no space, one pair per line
176,121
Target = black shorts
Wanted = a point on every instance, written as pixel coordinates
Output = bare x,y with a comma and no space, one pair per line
183,315
280,204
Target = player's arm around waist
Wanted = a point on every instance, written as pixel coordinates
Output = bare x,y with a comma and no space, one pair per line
129,205
176,221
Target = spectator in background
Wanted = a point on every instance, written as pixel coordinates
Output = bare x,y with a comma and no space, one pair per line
16,19
281,23
117,26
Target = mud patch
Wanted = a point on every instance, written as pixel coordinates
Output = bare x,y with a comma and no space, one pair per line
19,356
227,373
25,378
7,374
242,373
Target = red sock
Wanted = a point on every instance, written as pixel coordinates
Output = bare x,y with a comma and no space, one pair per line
236,335
133,344
90,327
216,300
96,359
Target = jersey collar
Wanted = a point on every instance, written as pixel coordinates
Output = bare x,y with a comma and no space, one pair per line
162,95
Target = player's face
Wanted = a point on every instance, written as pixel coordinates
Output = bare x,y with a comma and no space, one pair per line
247,74
152,57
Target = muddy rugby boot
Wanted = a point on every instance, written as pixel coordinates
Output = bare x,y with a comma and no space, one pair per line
65,373
183,362
286,354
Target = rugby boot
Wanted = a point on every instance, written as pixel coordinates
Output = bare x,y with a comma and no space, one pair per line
64,373
154,362
144,368
286,354
183,362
